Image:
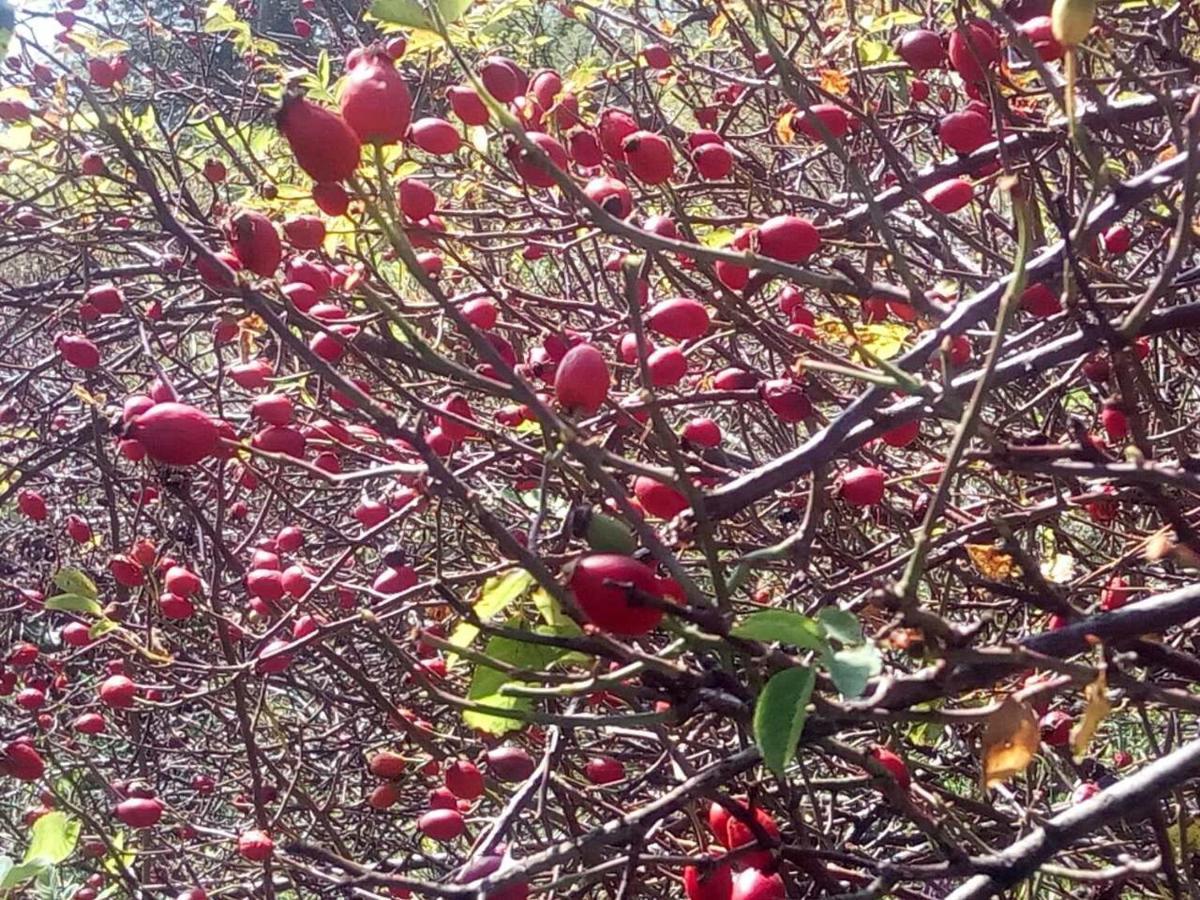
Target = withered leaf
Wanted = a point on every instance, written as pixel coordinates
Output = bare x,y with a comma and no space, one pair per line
990,561
1010,741
1097,707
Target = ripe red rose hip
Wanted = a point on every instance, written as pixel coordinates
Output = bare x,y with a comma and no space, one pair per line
140,812
681,318
714,882
255,242
510,763
175,433
441,824
606,588
922,49
464,779
649,157
789,239
894,765
582,380
375,100
324,145
603,770
862,486
255,845
754,884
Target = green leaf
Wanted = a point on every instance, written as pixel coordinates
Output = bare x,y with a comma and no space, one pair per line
74,603
497,593
73,581
101,628
17,874
784,626
840,625
413,13
122,859
779,715
852,667
486,684
54,837
552,613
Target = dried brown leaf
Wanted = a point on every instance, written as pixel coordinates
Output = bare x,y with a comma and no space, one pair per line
1010,741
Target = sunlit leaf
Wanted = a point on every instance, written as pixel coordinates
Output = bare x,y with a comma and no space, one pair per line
783,128
414,13
851,668
52,839
1010,742
780,713
74,603
495,596
1096,708
74,581
486,683
990,561
784,626
835,81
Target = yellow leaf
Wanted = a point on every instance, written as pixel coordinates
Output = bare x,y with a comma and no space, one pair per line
1010,742
882,339
717,25
990,562
667,27
87,397
1096,708
783,128
835,82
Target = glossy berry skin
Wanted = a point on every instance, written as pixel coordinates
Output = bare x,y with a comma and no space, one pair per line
964,131
529,169
78,351
830,116
325,147
603,770
140,812
681,318
649,157
435,136
600,585
922,49
667,366
658,499
466,105
611,194
32,505
712,883
464,779
753,884
255,845
386,764
175,433
1115,422
22,762
974,48
375,99
304,232
894,765
862,486
712,161
950,196
1055,727
786,399
441,824
582,380
789,239
510,763
118,692
703,432
1117,240
255,242
615,126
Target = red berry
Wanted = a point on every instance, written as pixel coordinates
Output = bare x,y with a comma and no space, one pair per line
649,157
703,432
435,136
713,882
922,49
830,115
510,763
601,585
441,824
681,318
712,161
789,239
78,351
862,486
753,884
530,170
667,366
611,195
375,99
118,692
786,399
464,780
466,105
894,764
950,196
603,770
255,242
1039,301
965,131
175,434
582,380
140,812
974,47
615,125
1117,239
32,505
387,765
255,845
325,146
1040,32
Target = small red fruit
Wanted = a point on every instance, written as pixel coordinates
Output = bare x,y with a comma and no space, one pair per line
255,242
140,812
611,195
324,145
582,380
375,100
922,49
712,161
603,770
76,350
974,48
894,765
118,692
786,399
713,882
658,499
830,115
950,196
175,434
464,780
510,763
649,157
862,486
615,125
434,135
681,318
387,765
605,586
753,884
255,845
441,824
965,131
789,239
1055,727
